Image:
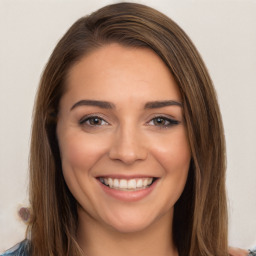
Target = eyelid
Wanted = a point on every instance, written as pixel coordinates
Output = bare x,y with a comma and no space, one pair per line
94,115
172,121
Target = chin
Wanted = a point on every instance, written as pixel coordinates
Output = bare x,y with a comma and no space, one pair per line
130,226
131,221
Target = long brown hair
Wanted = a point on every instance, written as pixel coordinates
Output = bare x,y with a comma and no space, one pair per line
200,215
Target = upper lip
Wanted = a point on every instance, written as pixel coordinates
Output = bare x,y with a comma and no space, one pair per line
126,177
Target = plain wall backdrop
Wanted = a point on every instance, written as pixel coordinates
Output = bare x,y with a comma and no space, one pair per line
224,32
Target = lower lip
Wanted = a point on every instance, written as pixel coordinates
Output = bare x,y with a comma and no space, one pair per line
128,196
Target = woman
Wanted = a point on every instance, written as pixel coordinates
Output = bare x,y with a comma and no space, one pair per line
127,150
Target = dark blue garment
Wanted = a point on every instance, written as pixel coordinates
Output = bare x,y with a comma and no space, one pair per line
20,249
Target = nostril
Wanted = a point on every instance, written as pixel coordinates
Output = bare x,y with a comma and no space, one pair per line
128,155
128,145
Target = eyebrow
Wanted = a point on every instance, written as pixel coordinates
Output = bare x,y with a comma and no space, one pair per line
108,105
161,104
97,103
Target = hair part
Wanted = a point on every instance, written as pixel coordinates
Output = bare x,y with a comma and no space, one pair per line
200,215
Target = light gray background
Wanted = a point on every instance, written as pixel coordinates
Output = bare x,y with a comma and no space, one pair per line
224,31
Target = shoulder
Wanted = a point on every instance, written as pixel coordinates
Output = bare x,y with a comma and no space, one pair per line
20,249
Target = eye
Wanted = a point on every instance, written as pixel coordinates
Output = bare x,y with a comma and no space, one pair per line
93,121
163,122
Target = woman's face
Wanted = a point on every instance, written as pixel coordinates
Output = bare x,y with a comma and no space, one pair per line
123,143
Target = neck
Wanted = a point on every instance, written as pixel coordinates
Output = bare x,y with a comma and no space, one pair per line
97,239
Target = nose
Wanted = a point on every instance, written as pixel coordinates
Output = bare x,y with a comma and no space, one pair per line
128,146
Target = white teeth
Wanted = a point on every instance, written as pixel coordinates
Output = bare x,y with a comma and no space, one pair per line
124,184
132,184
116,183
139,183
110,182
149,181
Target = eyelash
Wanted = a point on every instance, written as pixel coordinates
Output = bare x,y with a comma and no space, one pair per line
168,122
90,118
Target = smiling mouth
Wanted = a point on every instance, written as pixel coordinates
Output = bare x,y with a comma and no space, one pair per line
127,184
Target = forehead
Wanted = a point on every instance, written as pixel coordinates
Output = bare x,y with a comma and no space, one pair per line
115,72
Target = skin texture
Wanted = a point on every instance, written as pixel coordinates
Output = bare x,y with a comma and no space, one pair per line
125,140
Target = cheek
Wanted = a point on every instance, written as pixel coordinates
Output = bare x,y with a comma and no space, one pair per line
80,152
173,152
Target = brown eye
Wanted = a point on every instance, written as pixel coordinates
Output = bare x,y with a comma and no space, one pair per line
159,121
163,122
93,121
